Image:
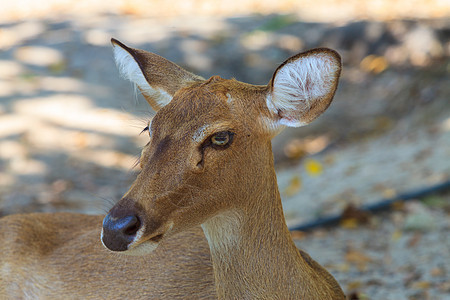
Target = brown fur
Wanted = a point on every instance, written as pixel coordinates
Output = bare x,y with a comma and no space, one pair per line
232,192
60,256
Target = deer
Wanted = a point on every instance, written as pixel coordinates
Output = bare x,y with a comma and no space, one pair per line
203,218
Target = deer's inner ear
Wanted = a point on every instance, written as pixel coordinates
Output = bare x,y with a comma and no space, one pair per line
303,87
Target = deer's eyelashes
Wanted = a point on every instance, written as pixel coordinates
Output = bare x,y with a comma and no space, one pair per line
145,129
148,129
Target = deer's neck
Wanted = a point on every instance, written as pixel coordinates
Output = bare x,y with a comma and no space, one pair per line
254,256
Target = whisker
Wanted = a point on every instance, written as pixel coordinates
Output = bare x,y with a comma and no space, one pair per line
105,205
136,163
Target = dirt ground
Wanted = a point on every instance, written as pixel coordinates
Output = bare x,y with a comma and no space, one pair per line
69,125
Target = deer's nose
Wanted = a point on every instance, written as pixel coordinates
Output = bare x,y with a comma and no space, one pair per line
119,231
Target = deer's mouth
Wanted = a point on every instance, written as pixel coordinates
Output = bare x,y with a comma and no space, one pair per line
145,243
157,238
142,246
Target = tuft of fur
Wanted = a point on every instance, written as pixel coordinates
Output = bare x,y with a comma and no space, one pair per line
222,231
130,70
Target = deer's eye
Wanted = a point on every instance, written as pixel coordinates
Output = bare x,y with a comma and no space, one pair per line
222,139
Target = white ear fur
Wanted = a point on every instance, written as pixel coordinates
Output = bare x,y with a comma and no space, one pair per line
300,83
130,70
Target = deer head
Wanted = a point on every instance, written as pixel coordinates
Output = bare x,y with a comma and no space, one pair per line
209,149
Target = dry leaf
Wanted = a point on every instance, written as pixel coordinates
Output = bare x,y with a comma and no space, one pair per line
396,235
399,205
295,149
445,286
313,167
350,223
374,64
421,285
295,184
389,193
298,235
414,240
352,216
353,285
357,258
343,267
435,272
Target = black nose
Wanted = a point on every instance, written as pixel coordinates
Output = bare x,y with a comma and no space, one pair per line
119,231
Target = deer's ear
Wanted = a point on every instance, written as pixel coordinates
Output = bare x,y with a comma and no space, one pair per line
157,78
303,86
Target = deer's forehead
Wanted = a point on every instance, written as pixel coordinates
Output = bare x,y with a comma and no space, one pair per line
189,112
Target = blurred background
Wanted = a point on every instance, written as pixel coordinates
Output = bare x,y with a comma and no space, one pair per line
69,125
